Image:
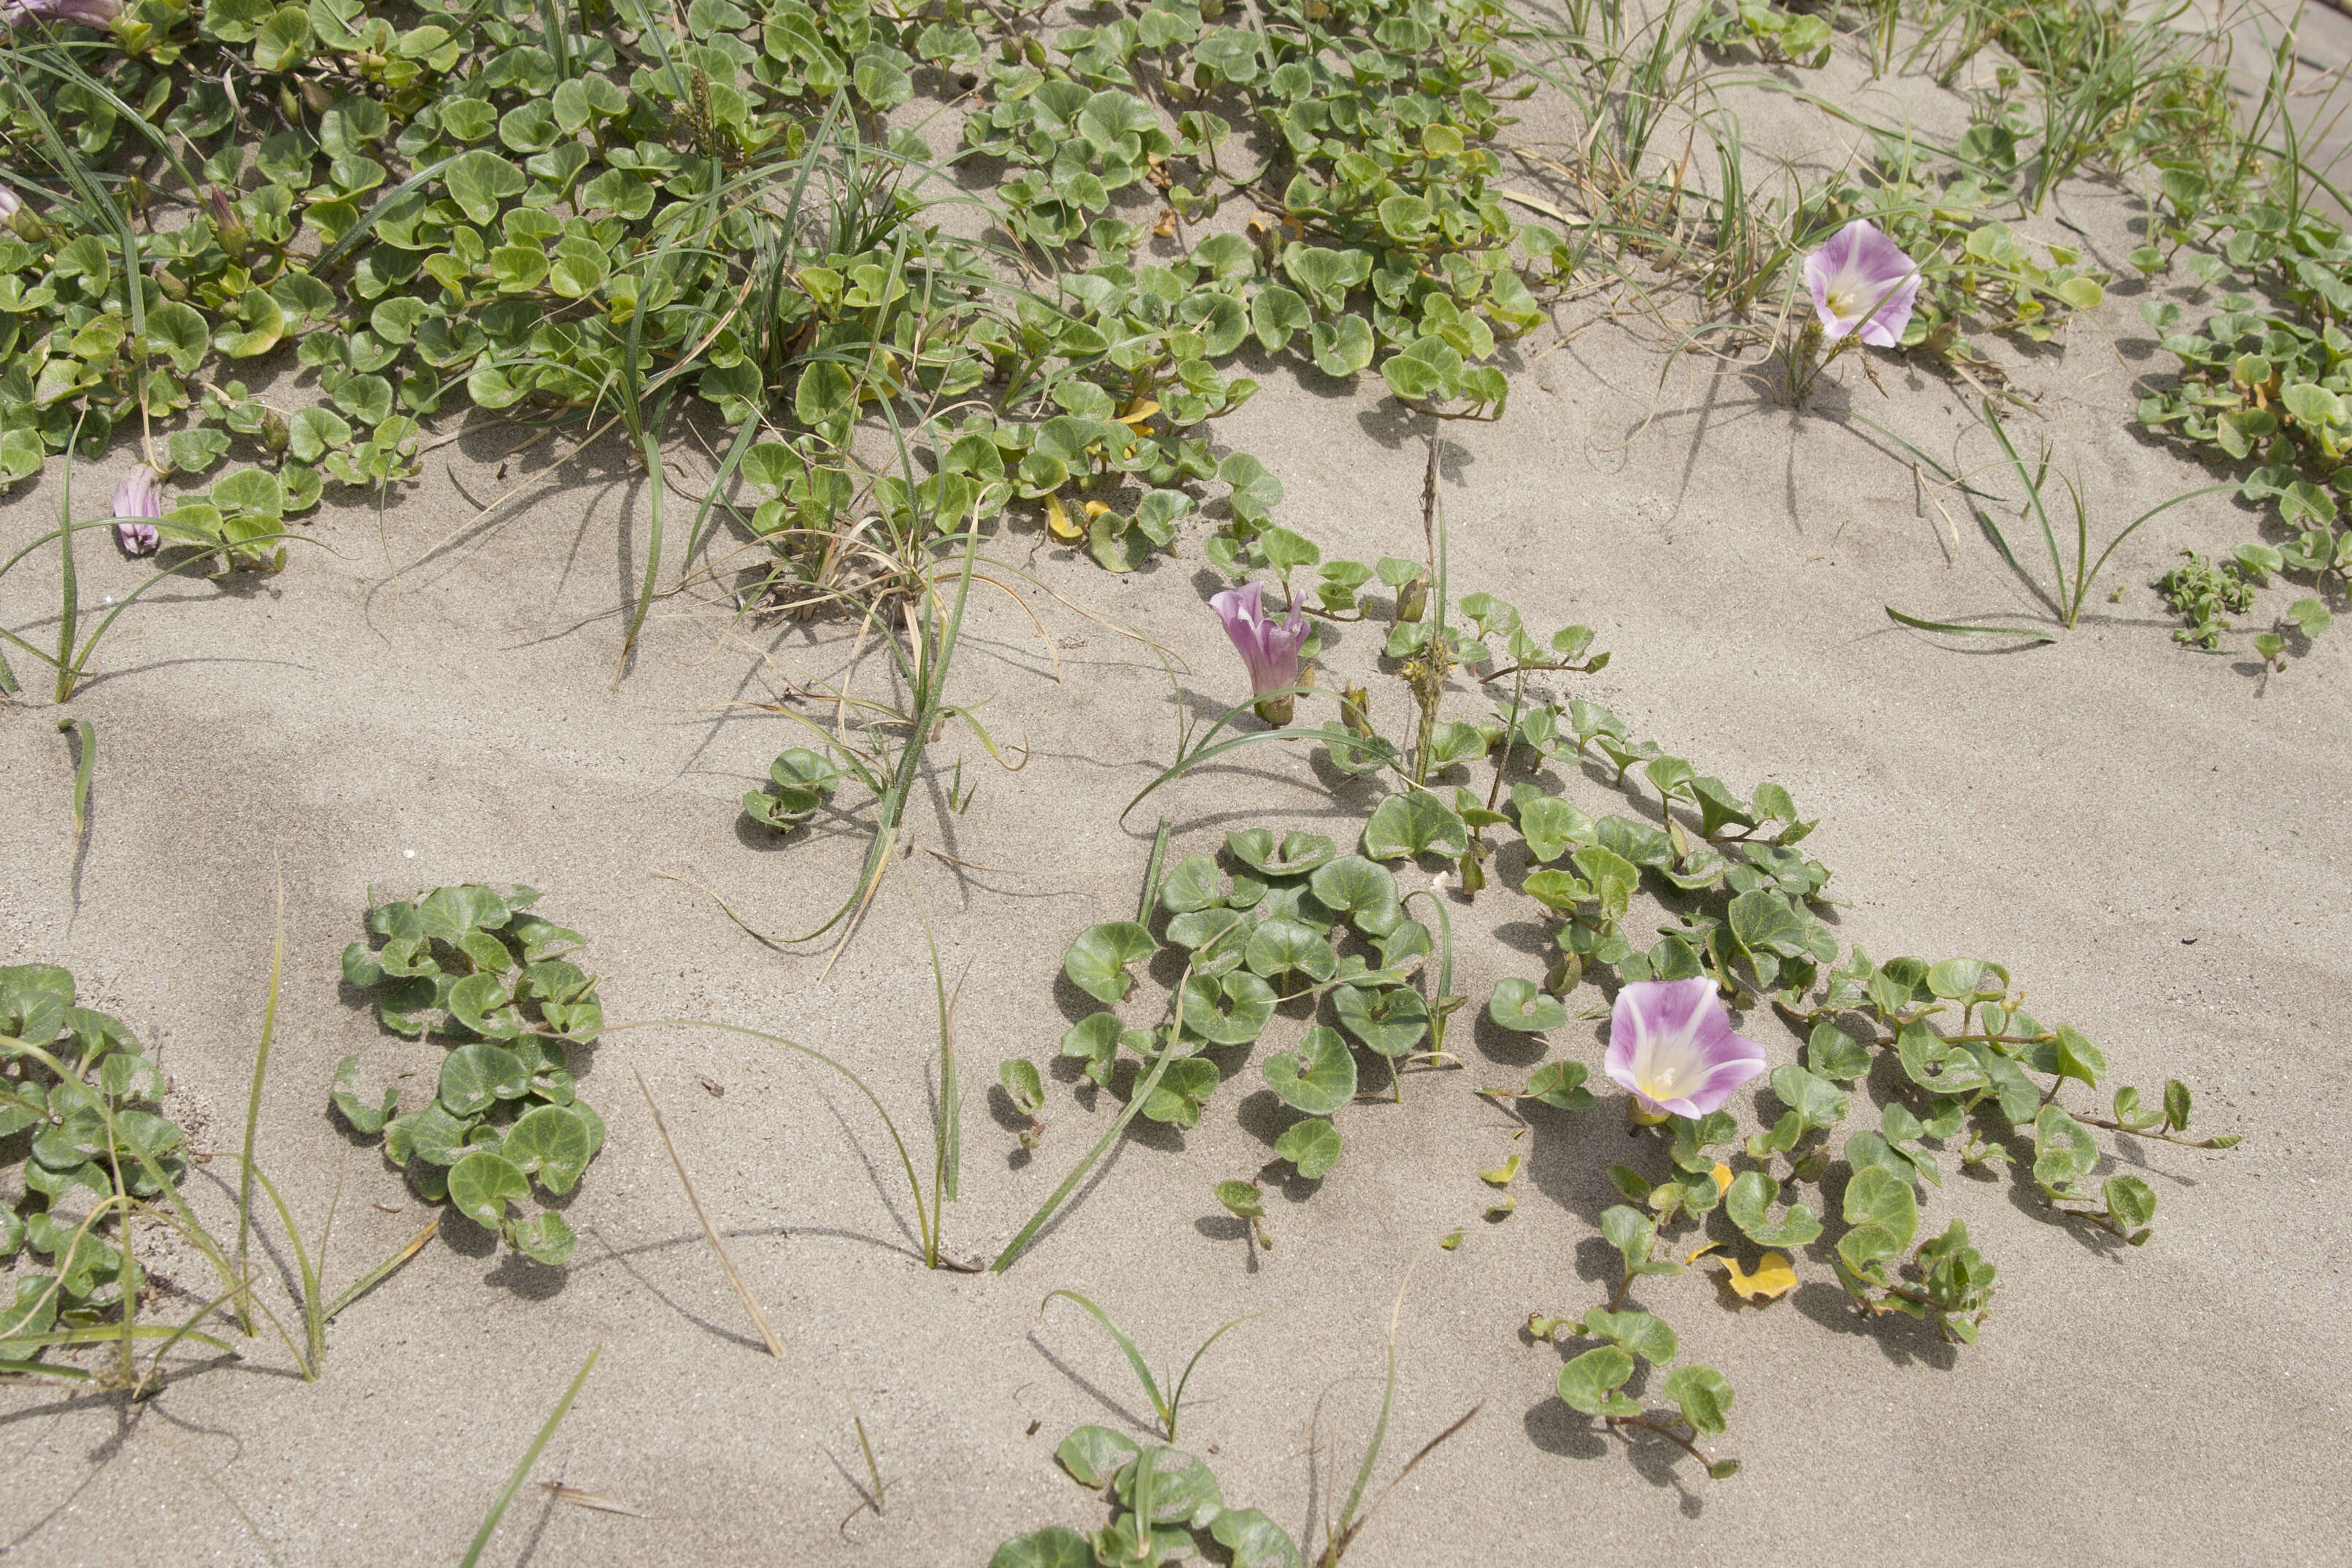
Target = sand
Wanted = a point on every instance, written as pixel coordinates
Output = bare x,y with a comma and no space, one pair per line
2148,836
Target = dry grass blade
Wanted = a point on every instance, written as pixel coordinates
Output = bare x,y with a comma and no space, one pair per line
711,1232
595,1502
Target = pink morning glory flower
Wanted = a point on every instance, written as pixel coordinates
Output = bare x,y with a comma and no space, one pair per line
89,13
1269,648
141,495
1862,281
1671,1046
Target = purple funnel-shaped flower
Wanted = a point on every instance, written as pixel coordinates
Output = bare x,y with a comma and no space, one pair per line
141,495
1269,648
89,13
1862,281
1671,1045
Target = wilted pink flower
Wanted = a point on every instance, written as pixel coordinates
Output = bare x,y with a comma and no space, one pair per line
1269,648
1671,1046
1862,281
89,13
9,202
141,495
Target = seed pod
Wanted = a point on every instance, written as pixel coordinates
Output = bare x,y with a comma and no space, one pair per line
317,98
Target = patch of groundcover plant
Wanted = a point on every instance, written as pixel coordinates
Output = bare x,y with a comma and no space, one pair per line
78,1143
565,213
1944,1052
469,966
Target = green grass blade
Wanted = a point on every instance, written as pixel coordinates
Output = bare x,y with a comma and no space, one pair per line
1176,1400
88,737
2032,633
1160,1405
253,1109
381,1271
1151,869
2101,564
744,433
1135,1101
530,1457
2041,514
68,590
352,237
1204,751
107,1333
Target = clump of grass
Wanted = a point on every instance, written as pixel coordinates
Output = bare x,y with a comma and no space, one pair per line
1168,1405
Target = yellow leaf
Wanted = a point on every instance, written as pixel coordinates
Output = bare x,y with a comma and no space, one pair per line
1502,1174
1722,1174
1058,519
1094,509
1698,1252
1772,1279
1141,411
1451,1239
1501,1210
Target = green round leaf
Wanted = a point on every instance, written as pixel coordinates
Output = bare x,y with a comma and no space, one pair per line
547,1237
1093,1454
482,1185
1192,885
1184,1087
1522,1005
1413,824
1390,1021
1646,1336
1749,1201
474,1077
1299,852
1097,962
550,1143
1591,1382
1318,1078
1247,1004
1352,883
1312,1145
1280,946
1702,1395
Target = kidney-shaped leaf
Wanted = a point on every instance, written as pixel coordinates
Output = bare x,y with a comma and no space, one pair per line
1313,1146
482,1185
1051,1548
1390,1021
550,1143
1097,962
1591,1381
1521,1005
1318,1078
1413,824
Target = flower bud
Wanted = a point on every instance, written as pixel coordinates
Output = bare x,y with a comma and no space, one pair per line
1412,599
227,226
138,495
317,98
274,434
